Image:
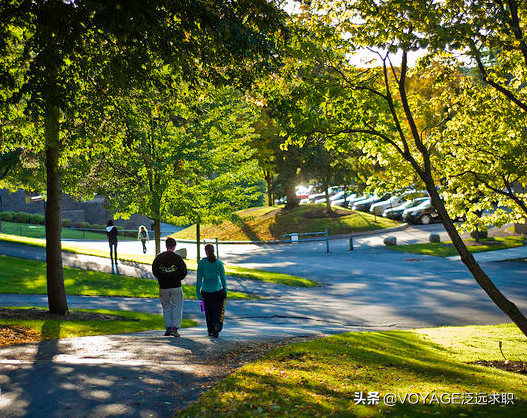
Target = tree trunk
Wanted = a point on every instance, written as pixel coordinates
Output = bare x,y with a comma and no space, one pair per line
198,254
345,204
328,203
269,181
292,200
55,276
157,233
509,308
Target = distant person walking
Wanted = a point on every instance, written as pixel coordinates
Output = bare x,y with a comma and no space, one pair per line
111,233
142,236
169,269
212,289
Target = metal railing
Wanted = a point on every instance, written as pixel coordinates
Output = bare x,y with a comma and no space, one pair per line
295,237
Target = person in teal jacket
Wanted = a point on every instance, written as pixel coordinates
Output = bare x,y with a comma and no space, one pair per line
211,287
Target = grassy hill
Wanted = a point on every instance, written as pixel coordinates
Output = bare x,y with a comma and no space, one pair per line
272,222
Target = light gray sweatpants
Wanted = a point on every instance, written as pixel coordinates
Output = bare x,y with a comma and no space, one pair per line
172,303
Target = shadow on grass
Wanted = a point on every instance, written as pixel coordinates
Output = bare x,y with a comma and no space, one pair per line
245,227
324,378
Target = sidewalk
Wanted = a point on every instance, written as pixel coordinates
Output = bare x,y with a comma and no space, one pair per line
497,255
131,375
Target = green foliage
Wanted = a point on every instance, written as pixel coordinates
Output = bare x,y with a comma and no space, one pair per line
21,217
7,216
37,219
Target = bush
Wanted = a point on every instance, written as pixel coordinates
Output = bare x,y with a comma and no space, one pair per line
37,219
99,226
82,225
66,223
21,217
7,216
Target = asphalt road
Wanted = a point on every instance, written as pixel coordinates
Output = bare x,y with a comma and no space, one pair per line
146,375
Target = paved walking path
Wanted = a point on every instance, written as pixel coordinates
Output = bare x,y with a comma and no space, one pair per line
370,288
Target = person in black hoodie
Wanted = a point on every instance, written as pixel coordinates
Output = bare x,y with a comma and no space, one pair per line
111,232
169,269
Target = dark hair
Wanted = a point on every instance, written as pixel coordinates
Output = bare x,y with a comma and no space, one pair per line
212,257
170,242
110,223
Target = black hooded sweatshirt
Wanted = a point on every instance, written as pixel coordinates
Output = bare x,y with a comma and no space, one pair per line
169,269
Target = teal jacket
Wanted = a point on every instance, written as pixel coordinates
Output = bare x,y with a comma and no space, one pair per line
211,277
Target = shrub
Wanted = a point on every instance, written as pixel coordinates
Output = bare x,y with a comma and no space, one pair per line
37,219
7,216
99,226
21,217
66,223
82,225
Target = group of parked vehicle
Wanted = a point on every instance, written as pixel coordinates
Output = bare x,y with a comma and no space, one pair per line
409,206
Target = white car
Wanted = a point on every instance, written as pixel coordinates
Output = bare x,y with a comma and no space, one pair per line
322,195
340,201
379,207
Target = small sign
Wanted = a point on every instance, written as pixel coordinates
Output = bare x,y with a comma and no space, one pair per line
294,237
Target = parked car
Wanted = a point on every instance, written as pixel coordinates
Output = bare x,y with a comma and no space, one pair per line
397,212
322,195
396,200
424,213
349,199
302,192
359,198
379,207
364,205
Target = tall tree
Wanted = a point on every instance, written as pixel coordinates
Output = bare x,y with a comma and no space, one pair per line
377,109
56,53
175,146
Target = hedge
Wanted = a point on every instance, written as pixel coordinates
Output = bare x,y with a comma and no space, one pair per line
7,216
21,217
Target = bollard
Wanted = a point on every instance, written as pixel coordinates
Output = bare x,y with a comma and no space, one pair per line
388,241
435,238
217,250
351,243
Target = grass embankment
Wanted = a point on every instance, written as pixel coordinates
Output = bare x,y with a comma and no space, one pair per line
22,276
446,249
325,377
39,231
254,274
48,329
272,222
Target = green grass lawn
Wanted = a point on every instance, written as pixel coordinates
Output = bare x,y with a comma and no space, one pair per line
325,377
446,249
272,222
18,275
39,231
62,328
254,274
